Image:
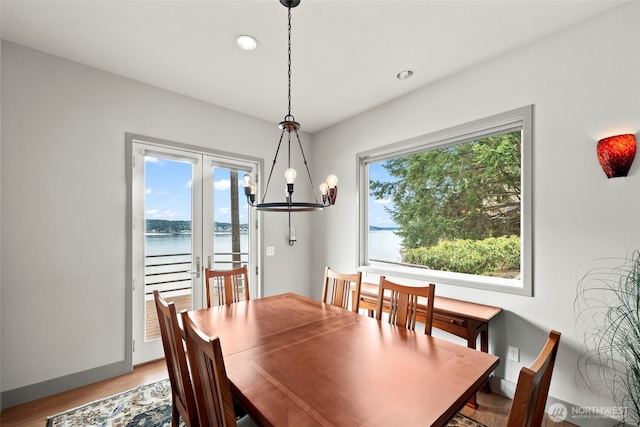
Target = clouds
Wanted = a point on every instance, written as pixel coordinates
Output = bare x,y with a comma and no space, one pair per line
384,201
225,184
222,185
169,191
163,214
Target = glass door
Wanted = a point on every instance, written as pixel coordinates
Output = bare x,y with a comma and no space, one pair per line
189,213
167,239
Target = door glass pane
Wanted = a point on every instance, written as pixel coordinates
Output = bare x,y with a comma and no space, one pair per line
231,220
168,237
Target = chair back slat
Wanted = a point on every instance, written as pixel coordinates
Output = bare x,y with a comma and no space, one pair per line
403,303
226,286
337,287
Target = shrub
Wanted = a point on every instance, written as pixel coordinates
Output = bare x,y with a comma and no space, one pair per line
494,256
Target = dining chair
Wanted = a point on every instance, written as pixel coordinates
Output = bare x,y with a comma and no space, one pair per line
226,286
337,288
403,303
211,385
182,396
532,389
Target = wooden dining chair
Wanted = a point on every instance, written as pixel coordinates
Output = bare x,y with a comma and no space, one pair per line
337,288
226,286
211,385
403,303
532,390
182,396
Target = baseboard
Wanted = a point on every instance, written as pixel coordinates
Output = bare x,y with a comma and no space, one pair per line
47,388
562,410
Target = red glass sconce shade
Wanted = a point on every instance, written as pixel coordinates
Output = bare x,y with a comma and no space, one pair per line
616,154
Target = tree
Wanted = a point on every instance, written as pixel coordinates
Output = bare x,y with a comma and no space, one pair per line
469,190
235,220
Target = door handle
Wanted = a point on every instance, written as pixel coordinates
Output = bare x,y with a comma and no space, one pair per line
197,270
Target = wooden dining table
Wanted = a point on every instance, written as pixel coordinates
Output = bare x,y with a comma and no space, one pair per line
295,361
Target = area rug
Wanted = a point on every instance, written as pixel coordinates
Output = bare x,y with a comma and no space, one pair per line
149,406
462,421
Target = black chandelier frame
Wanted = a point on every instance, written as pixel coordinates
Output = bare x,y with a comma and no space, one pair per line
289,125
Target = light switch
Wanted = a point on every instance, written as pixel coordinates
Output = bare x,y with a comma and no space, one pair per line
271,251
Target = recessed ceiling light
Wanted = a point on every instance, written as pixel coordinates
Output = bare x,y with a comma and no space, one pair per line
246,42
403,75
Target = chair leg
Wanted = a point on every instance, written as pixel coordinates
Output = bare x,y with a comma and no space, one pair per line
175,417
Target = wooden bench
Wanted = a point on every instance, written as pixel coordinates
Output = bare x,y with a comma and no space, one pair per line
464,319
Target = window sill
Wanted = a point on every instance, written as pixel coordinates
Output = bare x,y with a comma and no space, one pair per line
496,284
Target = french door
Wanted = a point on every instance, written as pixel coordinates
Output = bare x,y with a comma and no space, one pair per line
189,213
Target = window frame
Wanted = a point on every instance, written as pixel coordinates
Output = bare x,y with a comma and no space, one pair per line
520,118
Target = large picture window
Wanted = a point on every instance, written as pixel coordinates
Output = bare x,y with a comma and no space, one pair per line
452,207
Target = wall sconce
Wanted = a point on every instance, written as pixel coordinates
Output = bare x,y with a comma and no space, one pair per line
616,154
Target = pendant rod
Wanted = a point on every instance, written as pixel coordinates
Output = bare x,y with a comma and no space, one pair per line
289,57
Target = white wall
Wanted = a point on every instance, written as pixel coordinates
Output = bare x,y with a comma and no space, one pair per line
63,207
584,84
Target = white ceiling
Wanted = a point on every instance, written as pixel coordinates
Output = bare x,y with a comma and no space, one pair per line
345,53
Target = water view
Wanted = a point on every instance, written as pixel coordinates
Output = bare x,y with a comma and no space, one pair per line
170,243
383,245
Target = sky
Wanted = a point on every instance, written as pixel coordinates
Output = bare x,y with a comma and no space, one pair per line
377,214
168,193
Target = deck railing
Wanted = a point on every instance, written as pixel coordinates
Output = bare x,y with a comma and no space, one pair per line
170,274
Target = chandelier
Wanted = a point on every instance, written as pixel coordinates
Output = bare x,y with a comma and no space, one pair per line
289,126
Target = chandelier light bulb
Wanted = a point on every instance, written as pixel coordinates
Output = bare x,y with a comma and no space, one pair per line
290,174
248,179
324,189
332,181
252,187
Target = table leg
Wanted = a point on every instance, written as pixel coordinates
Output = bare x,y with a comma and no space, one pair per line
484,346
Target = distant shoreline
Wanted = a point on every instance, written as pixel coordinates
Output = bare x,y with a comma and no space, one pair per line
154,233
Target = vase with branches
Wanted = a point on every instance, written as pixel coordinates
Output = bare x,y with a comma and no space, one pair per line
608,310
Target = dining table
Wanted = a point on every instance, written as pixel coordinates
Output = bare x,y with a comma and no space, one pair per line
295,361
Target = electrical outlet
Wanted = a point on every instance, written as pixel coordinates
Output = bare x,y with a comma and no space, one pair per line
514,354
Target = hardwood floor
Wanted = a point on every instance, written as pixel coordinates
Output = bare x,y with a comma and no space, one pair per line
34,414
493,410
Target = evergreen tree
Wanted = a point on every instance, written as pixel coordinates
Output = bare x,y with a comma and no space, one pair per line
469,190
